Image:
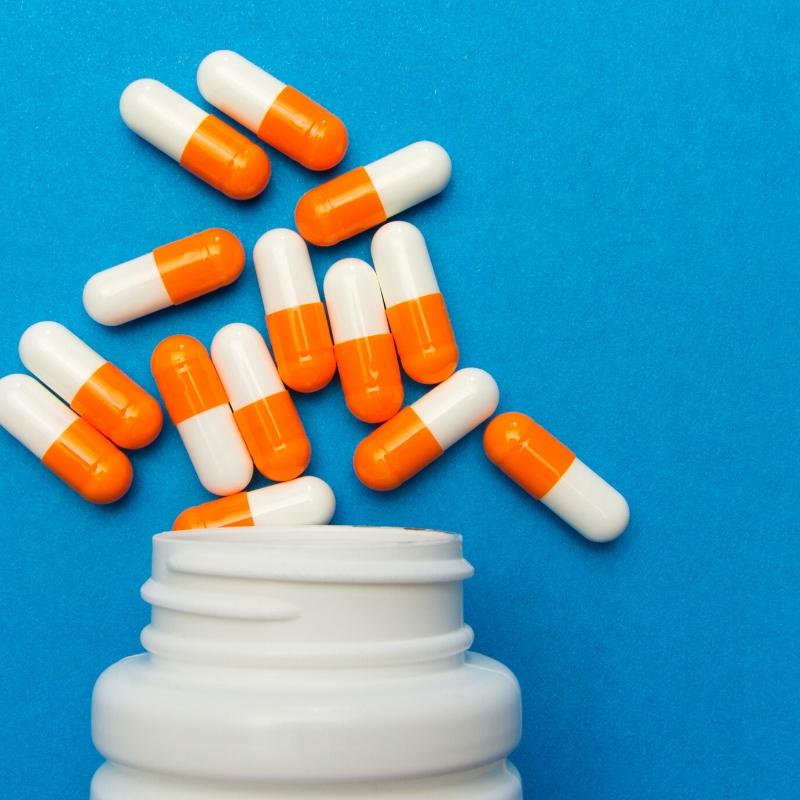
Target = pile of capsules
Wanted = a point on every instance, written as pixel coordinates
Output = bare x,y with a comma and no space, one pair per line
231,407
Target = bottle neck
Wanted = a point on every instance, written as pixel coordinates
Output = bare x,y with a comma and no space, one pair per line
322,597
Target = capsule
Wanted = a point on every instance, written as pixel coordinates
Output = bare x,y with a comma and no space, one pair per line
198,406
296,320
421,432
278,114
263,410
367,196
92,386
303,501
66,444
201,143
168,276
364,348
415,307
550,472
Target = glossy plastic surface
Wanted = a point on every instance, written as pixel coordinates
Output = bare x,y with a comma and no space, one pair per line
89,463
364,348
533,458
304,131
530,455
301,341
228,161
95,389
395,452
68,446
407,443
118,407
199,264
424,338
415,307
296,320
186,378
304,501
339,209
275,437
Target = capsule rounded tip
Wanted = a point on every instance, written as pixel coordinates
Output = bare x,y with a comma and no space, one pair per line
432,366
248,174
311,374
375,405
320,499
134,96
287,462
314,219
611,521
190,519
226,254
372,467
504,434
438,166
109,479
327,143
139,425
174,352
210,68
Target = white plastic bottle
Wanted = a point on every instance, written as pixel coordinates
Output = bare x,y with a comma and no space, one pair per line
306,664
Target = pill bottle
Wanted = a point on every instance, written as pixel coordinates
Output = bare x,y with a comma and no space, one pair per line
306,664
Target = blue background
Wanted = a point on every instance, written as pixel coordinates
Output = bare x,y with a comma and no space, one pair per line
618,246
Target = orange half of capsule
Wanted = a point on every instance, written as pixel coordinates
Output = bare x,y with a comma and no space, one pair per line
301,341
221,156
304,130
86,461
373,388
112,402
424,337
275,437
338,209
186,378
395,452
200,263
526,452
227,512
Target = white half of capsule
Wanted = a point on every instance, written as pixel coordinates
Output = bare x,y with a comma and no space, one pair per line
238,87
244,365
410,175
586,502
354,302
126,292
31,414
283,268
303,501
160,115
58,358
458,405
217,450
402,263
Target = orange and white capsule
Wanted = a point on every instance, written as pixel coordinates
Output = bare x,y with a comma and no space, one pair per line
421,432
367,196
275,112
201,143
364,348
415,307
66,444
296,320
198,406
303,501
168,276
92,386
549,471
263,409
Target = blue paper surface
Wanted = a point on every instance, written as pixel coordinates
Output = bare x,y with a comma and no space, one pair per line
618,246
